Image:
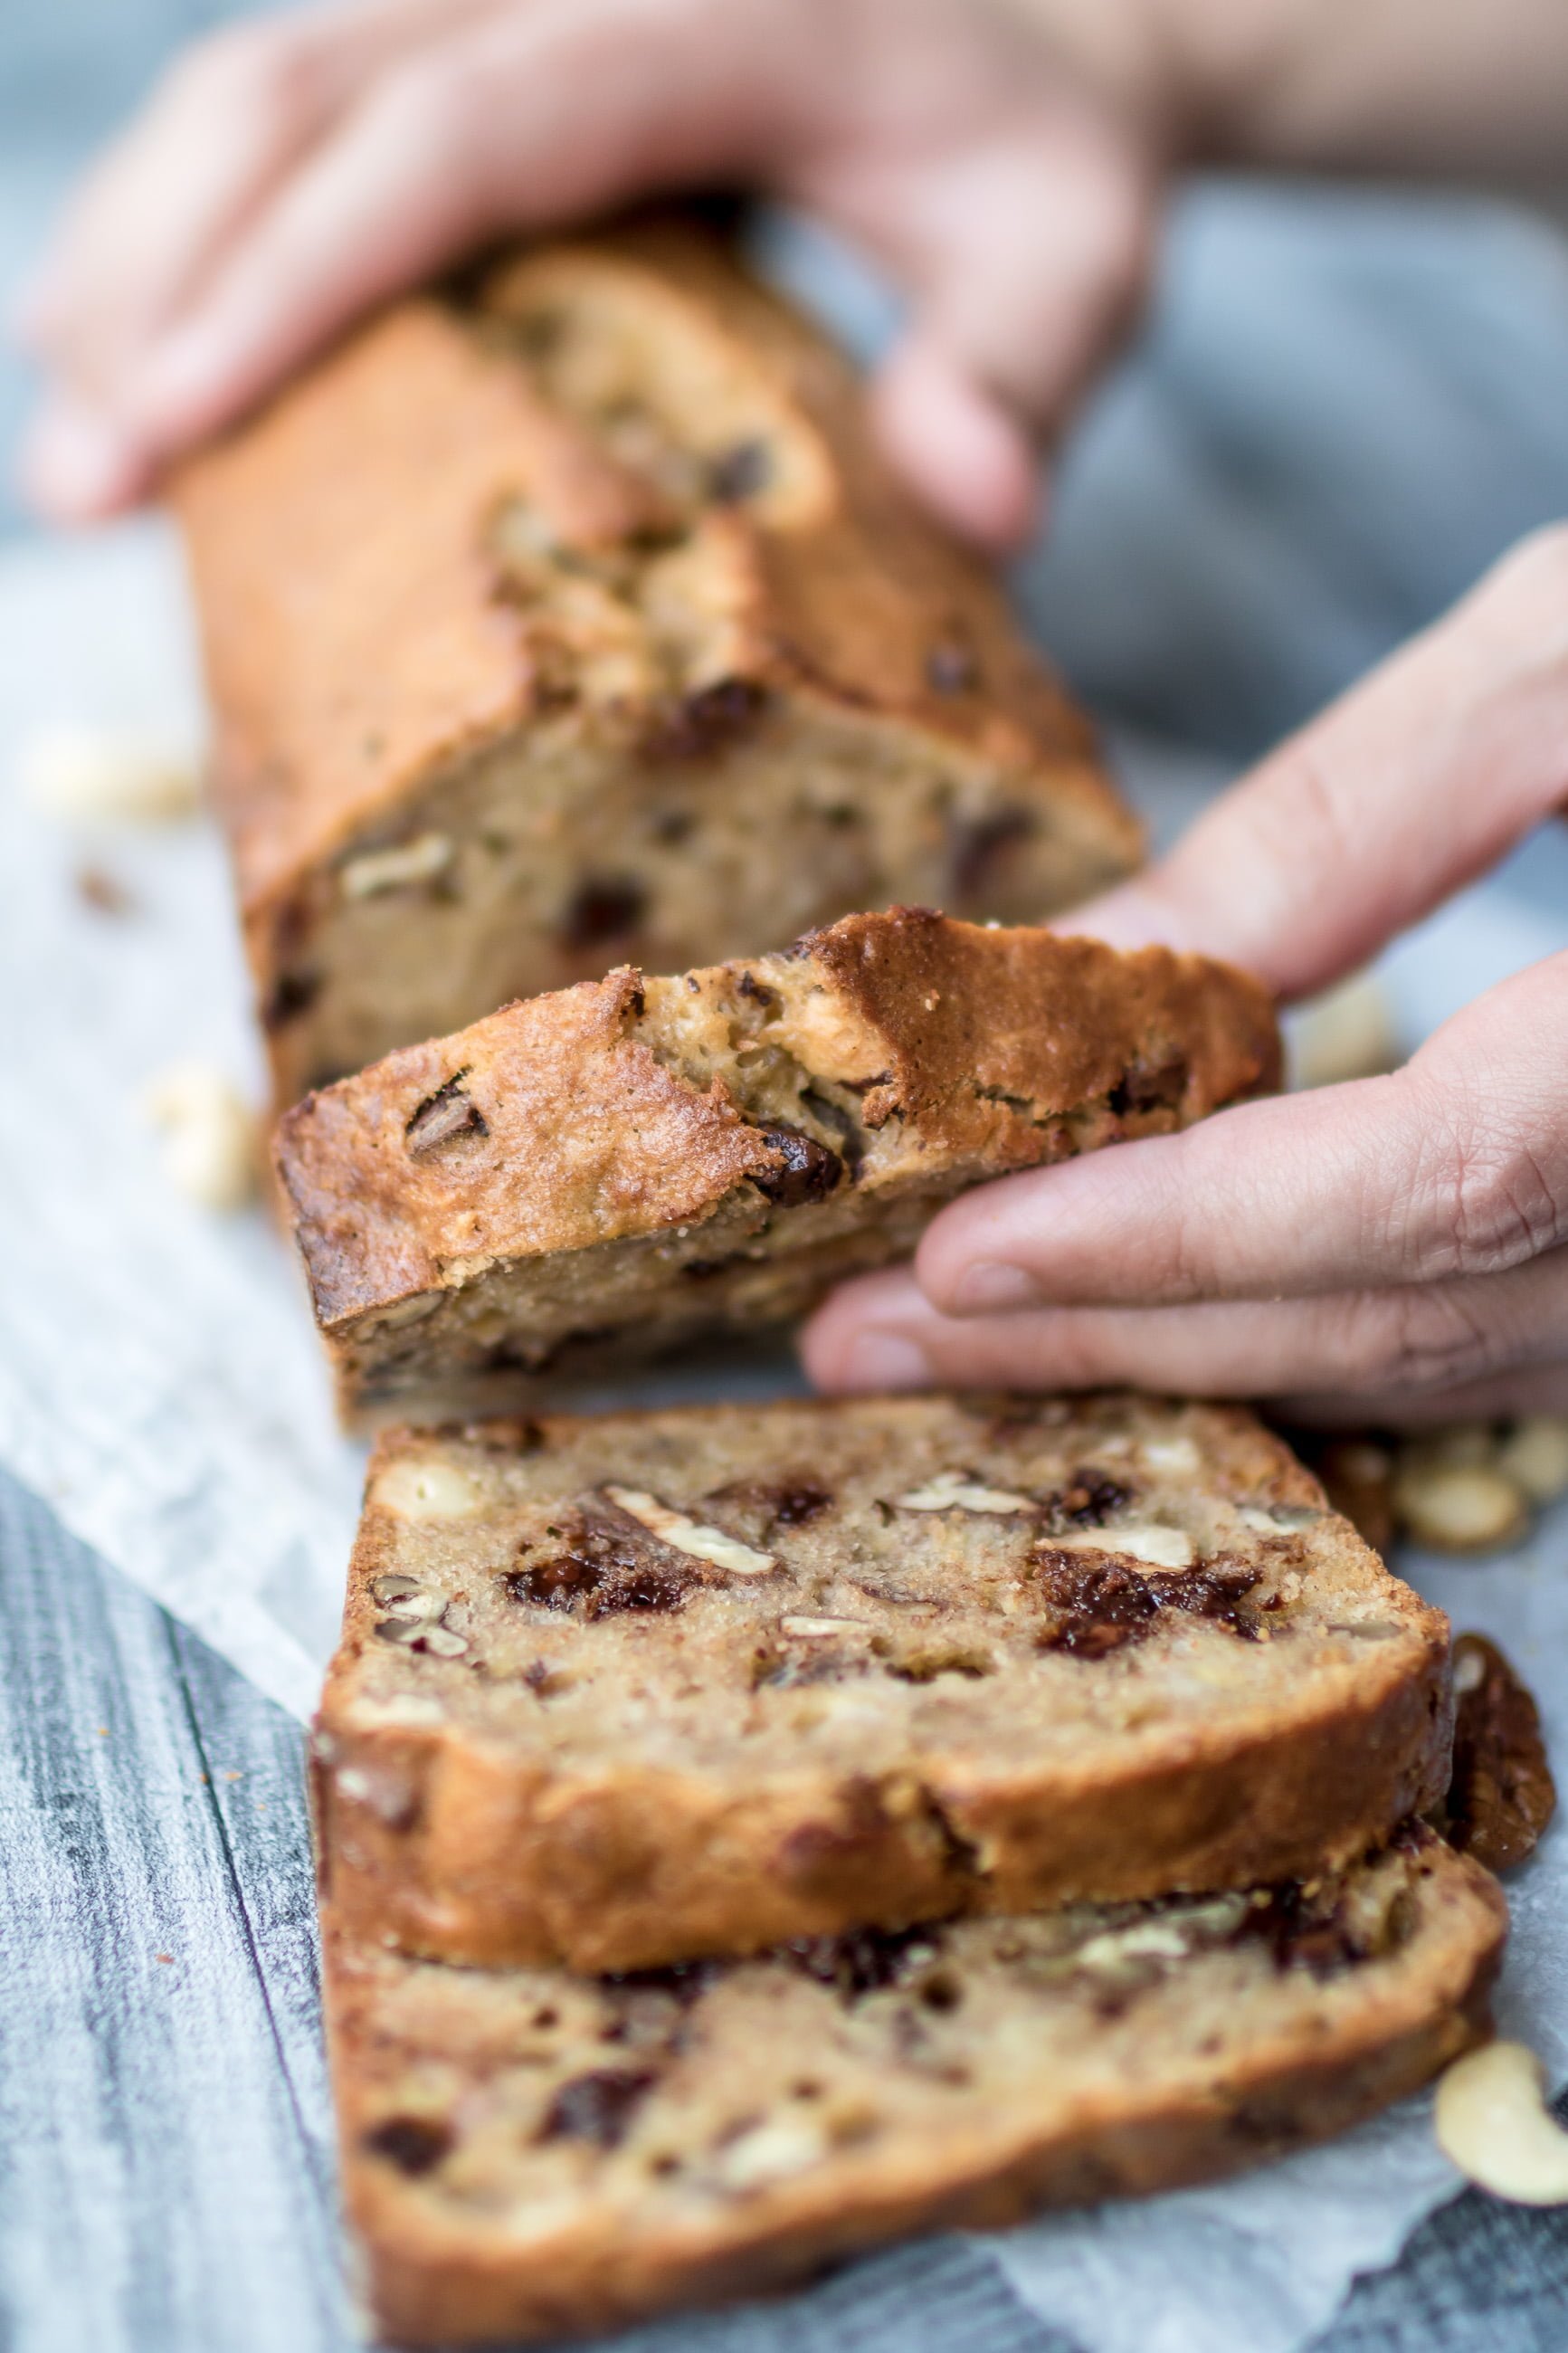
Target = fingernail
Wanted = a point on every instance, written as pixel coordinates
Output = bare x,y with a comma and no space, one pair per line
177,382
885,1360
990,1288
75,464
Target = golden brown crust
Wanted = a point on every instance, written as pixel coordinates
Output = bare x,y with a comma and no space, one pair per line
1201,2067
370,640
339,548
484,1805
616,1113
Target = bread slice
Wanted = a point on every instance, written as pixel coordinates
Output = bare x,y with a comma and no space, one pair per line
633,1162
529,2154
573,618
628,1688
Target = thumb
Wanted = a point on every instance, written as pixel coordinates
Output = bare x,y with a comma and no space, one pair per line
1028,257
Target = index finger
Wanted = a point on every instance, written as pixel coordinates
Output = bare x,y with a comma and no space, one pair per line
1413,783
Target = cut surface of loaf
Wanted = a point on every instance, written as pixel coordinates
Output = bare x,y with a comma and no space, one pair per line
527,2154
623,1689
575,619
635,1162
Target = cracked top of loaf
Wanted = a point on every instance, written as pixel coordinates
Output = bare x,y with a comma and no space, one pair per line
619,486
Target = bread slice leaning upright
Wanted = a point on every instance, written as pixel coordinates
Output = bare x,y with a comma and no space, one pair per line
622,1690
599,1174
527,2154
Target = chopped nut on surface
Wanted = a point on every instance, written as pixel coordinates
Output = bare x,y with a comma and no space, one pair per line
955,1491
90,777
817,1630
210,1135
1347,1033
1493,2123
426,1489
1458,1506
689,1535
1534,1455
1162,1547
400,868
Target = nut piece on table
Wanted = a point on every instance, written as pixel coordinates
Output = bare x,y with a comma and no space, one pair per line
1347,1033
1501,1796
1458,1506
1492,2122
1534,1455
95,777
210,1135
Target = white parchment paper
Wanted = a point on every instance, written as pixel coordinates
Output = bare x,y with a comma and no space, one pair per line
160,1384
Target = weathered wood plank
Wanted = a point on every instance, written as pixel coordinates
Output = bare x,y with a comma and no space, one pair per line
164,2171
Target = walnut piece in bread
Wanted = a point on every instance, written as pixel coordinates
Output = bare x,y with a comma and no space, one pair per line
527,2154
575,619
620,1690
625,1165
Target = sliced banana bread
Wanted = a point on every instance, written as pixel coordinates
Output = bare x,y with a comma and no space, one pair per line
529,2154
628,1688
612,1170
573,617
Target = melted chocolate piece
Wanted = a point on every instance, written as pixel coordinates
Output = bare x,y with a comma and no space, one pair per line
291,994
686,1983
980,846
739,472
597,2107
416,2145
442,1117
1151,1085
600,1570
1303,1932
1088,1500
809,1171
604,909
703,724
861,1960
794,1506
1100,1603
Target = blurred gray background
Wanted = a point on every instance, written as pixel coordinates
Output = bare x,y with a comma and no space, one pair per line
1345,404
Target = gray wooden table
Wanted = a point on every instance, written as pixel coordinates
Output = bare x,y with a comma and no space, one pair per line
165,2166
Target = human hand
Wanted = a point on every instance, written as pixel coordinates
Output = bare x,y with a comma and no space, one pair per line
1391,1250
295,170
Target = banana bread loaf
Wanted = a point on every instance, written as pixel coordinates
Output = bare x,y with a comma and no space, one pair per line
528,2154
573,620
626,1165
631,1688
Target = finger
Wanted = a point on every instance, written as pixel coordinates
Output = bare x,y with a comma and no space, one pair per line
959,447
553,111
1416,781
76,466
229,116
1457,1165
1029,251
1422,1341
